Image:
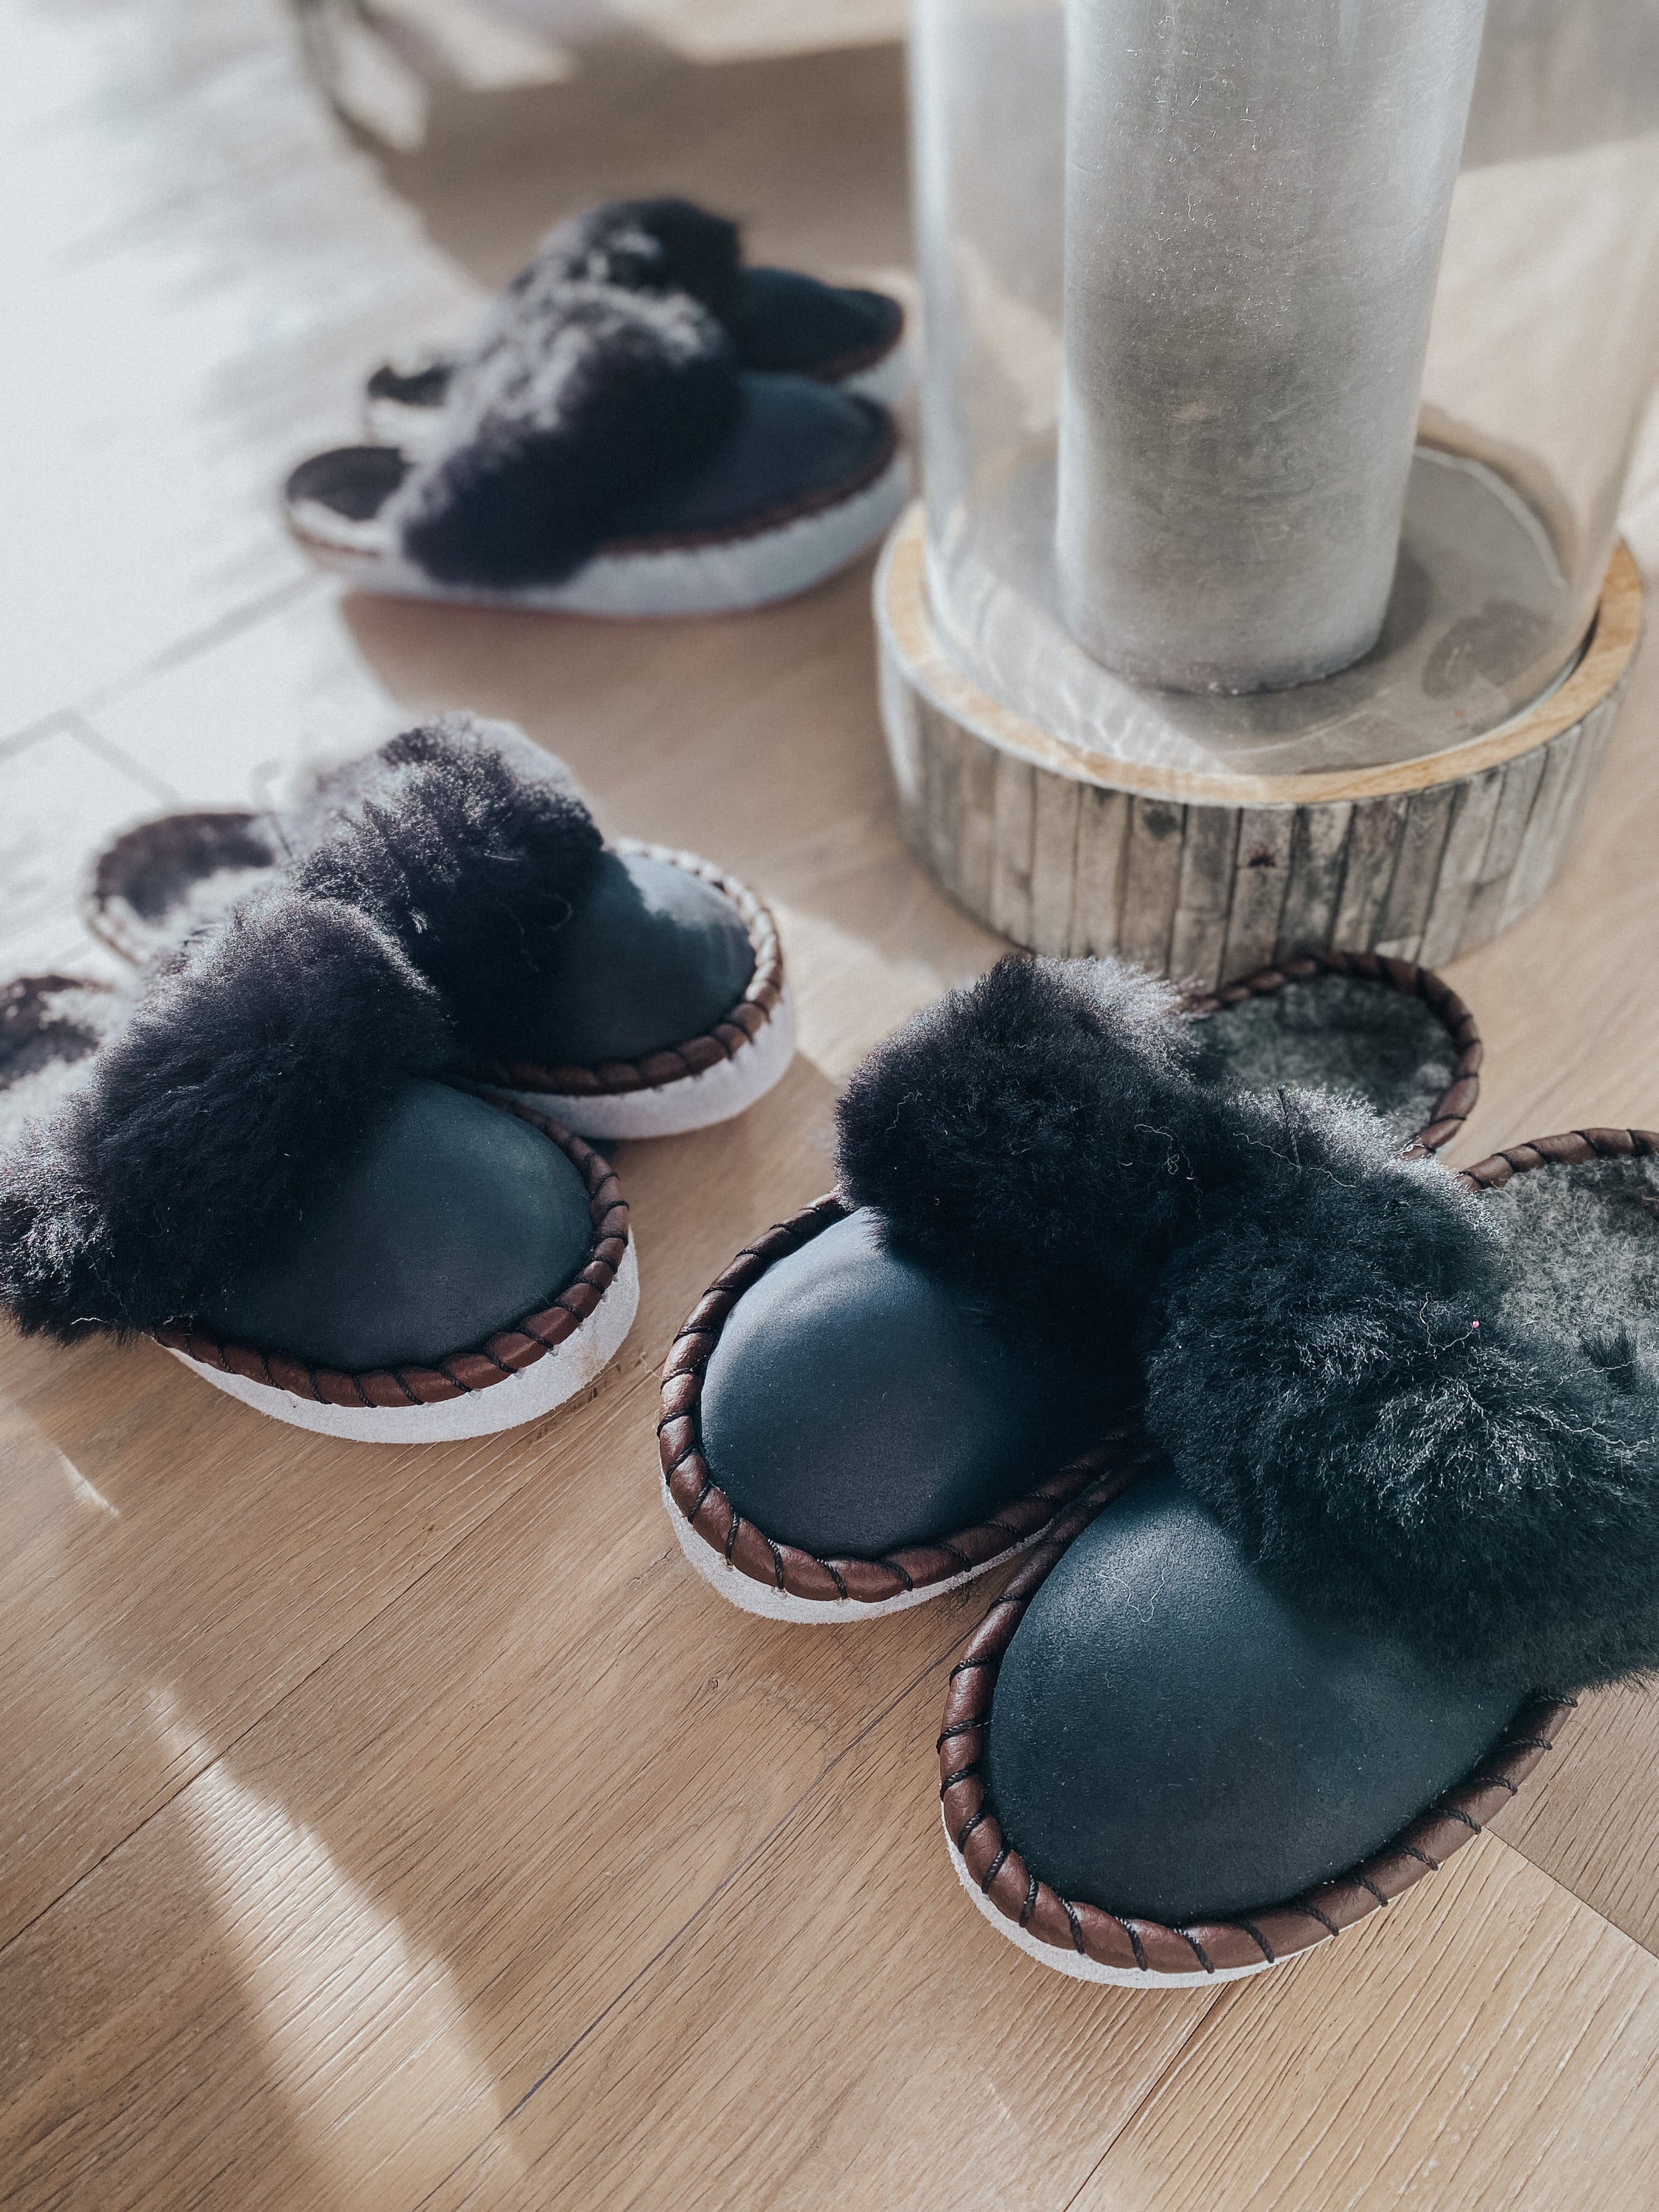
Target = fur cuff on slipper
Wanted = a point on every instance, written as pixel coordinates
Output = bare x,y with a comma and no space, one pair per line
469,863
1042,1138
558,422
639,245
1336,1380
1334,1358
260,1061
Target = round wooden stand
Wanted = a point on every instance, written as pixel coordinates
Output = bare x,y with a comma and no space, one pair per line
1206,878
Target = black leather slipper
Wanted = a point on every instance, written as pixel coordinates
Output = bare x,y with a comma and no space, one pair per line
906,1383
255,1161
613,460
779,320
627,990
1407,1504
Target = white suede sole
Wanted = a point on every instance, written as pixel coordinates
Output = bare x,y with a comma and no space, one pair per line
413,430
692,1101
534,1390
1079,1968
728,577
770,1603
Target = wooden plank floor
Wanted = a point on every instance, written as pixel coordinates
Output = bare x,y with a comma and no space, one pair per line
385,1828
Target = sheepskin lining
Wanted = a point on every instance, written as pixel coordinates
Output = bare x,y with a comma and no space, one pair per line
1582,1247
1336,1033
50,1027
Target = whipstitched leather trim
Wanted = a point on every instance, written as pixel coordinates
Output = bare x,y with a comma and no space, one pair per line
740,1026
1125,1941
459,1374
712,1515
1456,1103
778,516
1573,1148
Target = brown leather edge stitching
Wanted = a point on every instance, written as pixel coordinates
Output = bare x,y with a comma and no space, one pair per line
735,1029
1456,1103
505,1352
1268,1934
710,1515
1571,1148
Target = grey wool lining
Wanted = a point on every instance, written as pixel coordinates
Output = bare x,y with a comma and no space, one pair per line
1357,1039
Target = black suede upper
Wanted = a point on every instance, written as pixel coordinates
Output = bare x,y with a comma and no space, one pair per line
1170,1738
651,955
854,1403
453,1220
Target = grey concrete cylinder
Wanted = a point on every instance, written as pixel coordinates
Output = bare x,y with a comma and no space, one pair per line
1256,197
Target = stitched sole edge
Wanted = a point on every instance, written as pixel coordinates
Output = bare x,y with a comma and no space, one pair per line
1073,1964
770,1603
570,1367
692,1101
728,578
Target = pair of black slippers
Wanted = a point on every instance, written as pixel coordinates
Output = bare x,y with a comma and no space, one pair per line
331,1147
643,425
1338,1473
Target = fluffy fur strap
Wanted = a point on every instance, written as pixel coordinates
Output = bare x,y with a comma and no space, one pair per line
245,1076
560,420
463,850
640,245
1327,1360
1348,1396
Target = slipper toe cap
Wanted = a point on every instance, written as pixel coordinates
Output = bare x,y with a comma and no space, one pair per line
784,321
456,1221
854,1406
796,446
652,956
1170,1740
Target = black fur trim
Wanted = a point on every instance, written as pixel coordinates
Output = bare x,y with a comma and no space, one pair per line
1334,1379
1040,1137
1327,1361
643,245
259,1064
469,864
552,427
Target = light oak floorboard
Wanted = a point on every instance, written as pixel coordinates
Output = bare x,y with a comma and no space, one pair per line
1489,2042
392,1827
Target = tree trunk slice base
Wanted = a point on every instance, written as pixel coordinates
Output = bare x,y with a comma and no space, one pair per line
1207,878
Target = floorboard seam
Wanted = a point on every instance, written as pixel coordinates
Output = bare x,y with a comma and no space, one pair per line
269,1712
699,1912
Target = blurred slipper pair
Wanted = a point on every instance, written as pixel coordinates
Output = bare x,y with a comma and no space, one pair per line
642,425
331,1148
1338,1472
